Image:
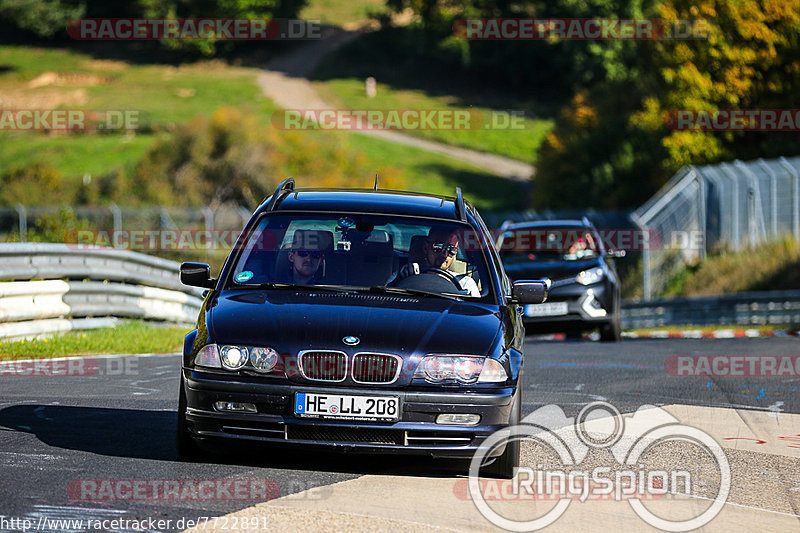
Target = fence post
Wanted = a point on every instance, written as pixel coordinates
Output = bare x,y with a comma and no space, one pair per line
116,215
208,218
773,196
737,240
646,286
701,214
795,196
23,223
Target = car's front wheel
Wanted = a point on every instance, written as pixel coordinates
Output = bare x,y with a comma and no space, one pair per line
611,332
503,466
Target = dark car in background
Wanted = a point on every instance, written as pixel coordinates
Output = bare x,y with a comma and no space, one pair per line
584,286
312,338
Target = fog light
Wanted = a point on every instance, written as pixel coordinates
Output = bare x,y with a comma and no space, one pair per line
237,407
455,419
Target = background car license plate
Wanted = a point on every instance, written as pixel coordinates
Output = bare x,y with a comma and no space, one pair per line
312,405
546,309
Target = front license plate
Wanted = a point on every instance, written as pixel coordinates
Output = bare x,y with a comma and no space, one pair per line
546,309
341,407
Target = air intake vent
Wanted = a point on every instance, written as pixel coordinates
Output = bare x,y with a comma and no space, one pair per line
323,365
438,438
376,368
345,434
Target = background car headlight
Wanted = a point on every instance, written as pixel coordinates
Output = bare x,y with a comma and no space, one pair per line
587,277
233,357
461,368
263,359
208,356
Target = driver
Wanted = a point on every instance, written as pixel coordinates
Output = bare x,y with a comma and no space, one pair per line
439,251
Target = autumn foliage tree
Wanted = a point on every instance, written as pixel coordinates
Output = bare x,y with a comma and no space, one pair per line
611,146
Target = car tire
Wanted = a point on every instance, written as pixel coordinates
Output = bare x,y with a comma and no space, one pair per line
612,331
185,444
503,466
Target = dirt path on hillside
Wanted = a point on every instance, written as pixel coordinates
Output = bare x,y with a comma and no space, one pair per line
285,80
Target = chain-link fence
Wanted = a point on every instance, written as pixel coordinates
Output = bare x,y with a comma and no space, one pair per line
21,223
731,206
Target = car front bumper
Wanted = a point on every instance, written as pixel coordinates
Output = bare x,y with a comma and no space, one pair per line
275,422
587,306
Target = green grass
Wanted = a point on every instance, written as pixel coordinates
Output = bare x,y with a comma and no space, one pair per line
167,95
431,173
74,155
130,337
342,12
520,142
769,267
408,80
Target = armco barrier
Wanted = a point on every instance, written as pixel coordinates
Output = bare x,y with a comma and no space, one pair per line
84,288
744,309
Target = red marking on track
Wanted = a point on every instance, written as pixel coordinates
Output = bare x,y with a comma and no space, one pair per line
758,441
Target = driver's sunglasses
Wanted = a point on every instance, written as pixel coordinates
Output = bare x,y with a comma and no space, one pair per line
315,254
440,247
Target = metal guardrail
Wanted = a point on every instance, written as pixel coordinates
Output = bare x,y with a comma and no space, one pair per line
75,285
746,309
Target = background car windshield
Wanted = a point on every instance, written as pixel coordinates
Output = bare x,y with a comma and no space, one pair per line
524,245
357,251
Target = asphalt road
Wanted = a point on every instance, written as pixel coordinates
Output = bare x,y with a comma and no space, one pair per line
118,424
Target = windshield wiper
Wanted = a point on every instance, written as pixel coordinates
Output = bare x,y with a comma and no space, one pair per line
294,286
383,289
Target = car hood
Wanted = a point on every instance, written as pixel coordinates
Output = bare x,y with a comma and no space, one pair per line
555,270
291,321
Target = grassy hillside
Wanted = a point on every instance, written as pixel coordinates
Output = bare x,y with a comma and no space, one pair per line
772,266
168,96
406,80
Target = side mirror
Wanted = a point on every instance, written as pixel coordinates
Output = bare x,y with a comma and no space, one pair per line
615,253
197,275
529,292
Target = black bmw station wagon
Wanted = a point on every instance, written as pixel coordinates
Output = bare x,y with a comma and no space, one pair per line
357,320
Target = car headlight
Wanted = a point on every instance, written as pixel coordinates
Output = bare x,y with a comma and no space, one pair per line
233,357
587,277
461,368
208,356
263,359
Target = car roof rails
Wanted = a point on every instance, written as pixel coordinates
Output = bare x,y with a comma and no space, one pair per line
286,185
461,210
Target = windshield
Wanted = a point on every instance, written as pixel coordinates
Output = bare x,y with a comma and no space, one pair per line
546,245
362,252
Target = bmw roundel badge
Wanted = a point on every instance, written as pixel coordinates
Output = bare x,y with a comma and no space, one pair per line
351,340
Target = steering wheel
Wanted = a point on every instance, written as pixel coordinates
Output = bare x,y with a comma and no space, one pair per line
446,274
